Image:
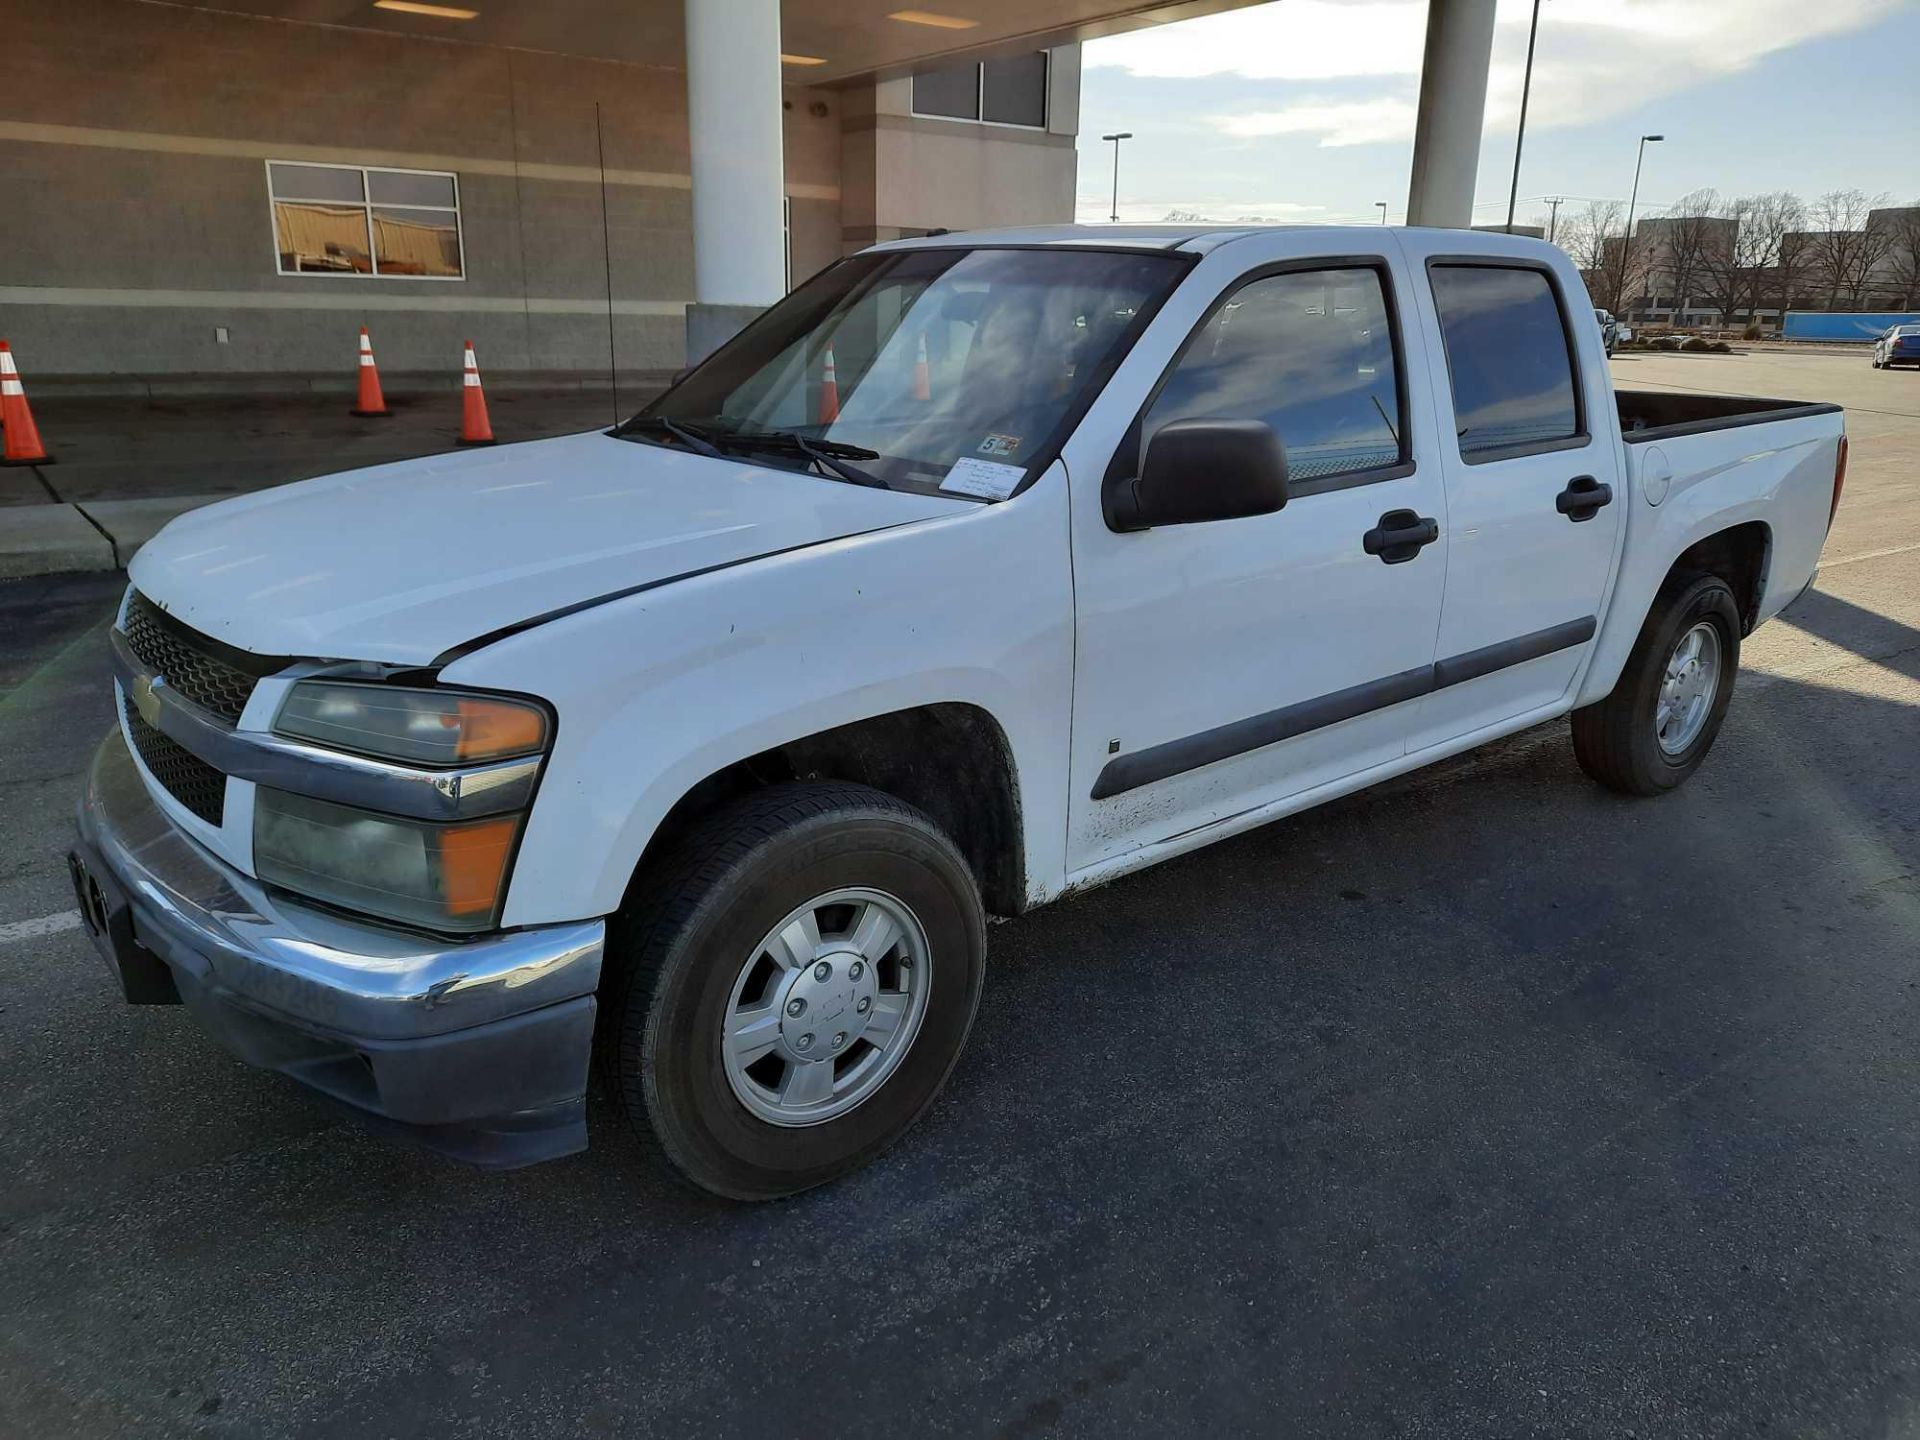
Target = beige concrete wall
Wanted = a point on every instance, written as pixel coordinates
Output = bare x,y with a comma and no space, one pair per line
902,174
134,218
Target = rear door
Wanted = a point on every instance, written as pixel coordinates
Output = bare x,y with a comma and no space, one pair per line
1531,457
1225,666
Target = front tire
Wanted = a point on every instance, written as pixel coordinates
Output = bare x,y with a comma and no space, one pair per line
1656,727
788,998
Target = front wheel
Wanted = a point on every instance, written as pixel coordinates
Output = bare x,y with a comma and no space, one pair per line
794,992
1656,727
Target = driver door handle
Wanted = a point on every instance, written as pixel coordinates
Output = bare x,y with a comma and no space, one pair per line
1400,536
1582,498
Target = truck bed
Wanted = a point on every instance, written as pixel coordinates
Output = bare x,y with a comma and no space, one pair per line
1657,414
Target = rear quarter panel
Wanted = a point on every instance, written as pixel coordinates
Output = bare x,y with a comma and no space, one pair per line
1778,473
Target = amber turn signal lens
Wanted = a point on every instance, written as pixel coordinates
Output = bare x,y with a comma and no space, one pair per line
473,862
493,728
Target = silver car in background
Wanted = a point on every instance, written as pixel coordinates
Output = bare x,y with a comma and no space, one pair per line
1898,345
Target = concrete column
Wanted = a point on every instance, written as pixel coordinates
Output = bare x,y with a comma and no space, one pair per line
1453,104
733,122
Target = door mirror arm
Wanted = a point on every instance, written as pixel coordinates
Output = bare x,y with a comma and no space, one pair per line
1199,470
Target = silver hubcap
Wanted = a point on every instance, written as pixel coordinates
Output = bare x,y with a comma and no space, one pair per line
1687,689
826,1006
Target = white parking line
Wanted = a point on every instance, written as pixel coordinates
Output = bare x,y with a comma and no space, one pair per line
1870,555
45,925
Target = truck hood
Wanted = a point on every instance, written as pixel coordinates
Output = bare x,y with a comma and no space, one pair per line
404,562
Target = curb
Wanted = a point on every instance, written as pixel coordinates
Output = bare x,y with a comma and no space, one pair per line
51,540
61,539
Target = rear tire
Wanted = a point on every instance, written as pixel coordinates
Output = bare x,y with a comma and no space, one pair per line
717,938
1656,727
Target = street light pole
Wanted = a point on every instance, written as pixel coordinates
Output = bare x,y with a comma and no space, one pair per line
1383,210
1526,89
1113,214
1626,245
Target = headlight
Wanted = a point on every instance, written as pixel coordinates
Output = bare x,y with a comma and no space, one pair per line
441,877
415,727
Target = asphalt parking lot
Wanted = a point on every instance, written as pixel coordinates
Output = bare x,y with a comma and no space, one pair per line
1487,1103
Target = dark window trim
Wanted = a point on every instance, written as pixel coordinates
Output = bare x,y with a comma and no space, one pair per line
1125,462
1223,742
1582,435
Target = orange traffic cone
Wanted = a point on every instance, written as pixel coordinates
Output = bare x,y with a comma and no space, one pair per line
829,391
922,382
475,428
23,445
371,401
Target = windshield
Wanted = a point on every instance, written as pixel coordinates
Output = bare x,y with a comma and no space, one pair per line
934,370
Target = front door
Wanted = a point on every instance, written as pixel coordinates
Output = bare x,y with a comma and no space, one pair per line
1228,665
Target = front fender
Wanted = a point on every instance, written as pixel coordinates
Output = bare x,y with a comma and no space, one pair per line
660,690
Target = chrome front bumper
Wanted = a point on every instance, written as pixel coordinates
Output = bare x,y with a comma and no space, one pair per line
478,1048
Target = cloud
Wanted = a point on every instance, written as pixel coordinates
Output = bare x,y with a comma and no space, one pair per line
1595,58
1292,40
1347,123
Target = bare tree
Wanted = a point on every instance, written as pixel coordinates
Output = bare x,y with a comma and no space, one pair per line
1729,273
1793,249
1903,260
1759,256
1689,235
1845,247
1578,233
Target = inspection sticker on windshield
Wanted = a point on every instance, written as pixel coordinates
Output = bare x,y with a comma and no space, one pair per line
982,479
999,445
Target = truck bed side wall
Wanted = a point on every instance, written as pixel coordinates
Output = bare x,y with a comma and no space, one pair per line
1779,474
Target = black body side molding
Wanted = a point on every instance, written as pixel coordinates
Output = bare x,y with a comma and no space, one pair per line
1223,742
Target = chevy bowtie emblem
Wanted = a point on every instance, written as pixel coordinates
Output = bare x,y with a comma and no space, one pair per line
144,700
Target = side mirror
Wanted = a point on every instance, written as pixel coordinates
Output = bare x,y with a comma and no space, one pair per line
1197,470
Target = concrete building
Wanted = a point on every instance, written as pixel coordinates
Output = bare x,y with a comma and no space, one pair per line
231,188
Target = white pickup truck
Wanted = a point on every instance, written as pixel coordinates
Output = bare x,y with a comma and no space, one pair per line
980,569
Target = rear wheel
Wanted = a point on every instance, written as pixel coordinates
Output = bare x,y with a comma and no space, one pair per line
793,994
1656,727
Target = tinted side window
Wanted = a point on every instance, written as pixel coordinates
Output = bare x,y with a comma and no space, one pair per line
1508,355
1310,353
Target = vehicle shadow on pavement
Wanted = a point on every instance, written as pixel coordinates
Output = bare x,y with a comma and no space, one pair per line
1866,633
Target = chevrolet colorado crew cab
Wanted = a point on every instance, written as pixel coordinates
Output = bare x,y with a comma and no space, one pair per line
979,569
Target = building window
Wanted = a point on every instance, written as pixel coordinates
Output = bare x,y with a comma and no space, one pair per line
1012,91
352,220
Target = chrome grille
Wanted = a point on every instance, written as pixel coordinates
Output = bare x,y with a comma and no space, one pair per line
181,773
214,676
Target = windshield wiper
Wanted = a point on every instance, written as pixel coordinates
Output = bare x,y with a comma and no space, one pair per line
715,443
692,437
830,455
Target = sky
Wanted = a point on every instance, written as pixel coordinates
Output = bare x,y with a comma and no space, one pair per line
1303,110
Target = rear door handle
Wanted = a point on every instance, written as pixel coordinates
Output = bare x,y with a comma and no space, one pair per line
1582,498
1400,535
